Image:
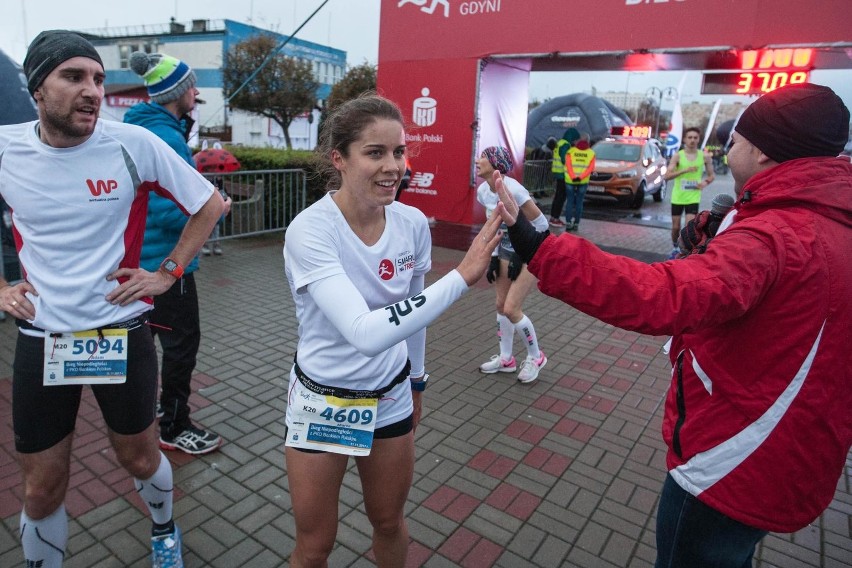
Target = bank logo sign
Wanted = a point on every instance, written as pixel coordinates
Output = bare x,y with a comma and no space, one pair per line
425,109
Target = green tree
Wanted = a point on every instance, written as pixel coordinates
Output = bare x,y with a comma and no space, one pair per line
284,89
356,81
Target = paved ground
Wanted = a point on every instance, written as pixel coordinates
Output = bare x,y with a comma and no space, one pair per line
563,472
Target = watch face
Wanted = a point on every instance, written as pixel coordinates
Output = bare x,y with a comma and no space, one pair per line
170,265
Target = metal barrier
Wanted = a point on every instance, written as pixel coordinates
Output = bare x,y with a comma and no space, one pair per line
537,177
265,201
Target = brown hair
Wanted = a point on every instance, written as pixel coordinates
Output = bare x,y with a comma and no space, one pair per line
344,125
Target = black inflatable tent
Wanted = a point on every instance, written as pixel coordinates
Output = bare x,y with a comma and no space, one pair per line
584,112
16,105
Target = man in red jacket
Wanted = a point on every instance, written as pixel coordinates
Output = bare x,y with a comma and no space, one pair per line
757,418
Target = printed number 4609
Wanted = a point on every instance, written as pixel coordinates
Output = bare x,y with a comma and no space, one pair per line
353,416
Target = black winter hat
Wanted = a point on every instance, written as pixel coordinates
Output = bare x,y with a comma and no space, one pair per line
50,49
796,121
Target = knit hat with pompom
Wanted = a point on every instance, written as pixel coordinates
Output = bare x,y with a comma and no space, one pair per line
166,77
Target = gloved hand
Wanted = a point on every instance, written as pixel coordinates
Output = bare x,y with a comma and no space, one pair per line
695,235
525,239
493,270
515,266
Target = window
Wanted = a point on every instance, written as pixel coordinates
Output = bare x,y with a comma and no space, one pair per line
126,49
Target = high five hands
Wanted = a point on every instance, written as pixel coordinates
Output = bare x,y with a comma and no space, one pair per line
525,238
478,257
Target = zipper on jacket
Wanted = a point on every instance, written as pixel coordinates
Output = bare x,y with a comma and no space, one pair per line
681,406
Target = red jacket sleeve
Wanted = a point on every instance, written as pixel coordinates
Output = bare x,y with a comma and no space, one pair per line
663,298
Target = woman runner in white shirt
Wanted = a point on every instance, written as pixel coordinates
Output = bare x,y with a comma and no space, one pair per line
356,262
512,281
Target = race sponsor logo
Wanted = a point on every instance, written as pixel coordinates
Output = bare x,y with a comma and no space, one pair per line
436,138
96,187
100,189
405,262
421,182
404,308
386,269
424,111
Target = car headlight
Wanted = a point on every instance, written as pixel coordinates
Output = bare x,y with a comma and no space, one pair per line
627,174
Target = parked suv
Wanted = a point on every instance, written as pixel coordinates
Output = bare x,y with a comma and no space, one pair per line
627,169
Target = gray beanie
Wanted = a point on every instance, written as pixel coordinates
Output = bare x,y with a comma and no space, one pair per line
50,49
166,77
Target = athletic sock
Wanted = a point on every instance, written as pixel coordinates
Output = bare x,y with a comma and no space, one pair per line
506,335
156,491
44,540
526,329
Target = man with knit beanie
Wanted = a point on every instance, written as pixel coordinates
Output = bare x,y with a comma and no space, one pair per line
77,187
175,319
757,417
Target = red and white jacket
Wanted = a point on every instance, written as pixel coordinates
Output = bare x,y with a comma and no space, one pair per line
758,416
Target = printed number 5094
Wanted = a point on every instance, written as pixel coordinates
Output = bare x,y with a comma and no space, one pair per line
93,346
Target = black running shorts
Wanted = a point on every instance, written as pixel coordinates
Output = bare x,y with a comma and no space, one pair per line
44,415
691,209
394,430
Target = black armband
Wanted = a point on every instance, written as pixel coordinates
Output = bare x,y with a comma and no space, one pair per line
525,239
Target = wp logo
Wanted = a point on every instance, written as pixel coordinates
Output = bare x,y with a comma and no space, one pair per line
96,187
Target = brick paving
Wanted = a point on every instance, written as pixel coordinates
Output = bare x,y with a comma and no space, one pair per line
562,472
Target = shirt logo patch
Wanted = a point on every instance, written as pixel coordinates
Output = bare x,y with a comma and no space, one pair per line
386,269
405,262
96,187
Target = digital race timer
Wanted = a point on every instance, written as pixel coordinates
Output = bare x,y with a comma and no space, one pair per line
632,131
762,71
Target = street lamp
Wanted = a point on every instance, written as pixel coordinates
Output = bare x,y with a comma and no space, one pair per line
627,86
669,93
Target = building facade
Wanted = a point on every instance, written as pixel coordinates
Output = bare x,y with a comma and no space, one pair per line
202,44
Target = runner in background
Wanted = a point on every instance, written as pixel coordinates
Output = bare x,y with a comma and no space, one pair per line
512,281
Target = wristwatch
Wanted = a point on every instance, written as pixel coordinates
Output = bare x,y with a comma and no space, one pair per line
172,267
419,385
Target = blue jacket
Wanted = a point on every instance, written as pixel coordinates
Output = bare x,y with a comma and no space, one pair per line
165,220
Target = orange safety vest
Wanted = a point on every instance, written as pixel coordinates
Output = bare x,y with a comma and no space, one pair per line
579,164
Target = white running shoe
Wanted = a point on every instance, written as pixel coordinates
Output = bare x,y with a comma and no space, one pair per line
531,367
498,365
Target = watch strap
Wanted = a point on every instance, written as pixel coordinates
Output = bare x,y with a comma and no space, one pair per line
420,384
173,267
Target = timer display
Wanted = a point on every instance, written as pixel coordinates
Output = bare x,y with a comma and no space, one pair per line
632,131
762,71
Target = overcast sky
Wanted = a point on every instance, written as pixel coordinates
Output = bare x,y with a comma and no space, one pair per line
350,25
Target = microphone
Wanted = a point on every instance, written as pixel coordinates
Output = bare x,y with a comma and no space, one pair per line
720,207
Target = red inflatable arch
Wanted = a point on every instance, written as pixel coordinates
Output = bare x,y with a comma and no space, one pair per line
460,69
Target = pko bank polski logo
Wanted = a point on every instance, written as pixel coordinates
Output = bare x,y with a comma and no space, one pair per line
424,111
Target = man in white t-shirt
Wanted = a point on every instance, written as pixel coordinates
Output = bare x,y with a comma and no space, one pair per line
78,189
